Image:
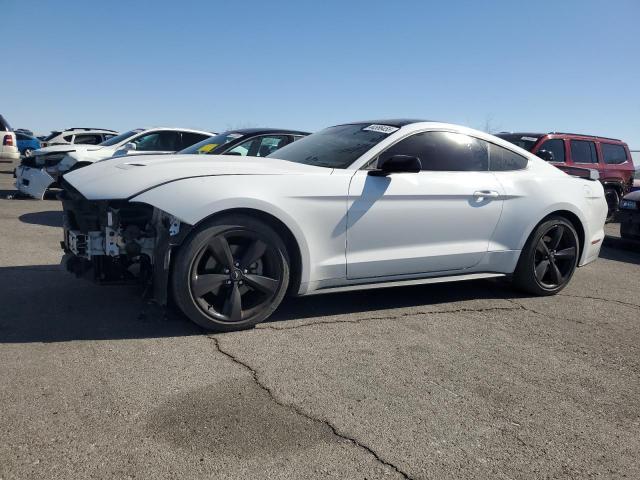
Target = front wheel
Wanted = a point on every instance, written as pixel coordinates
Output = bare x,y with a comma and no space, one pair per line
231,274
549,258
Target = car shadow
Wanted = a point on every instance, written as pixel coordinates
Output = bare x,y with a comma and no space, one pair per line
43,303
390,298
49,218
620,250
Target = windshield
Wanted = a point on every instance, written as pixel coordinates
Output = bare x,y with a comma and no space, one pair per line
119,138
522,140
335,147
207,147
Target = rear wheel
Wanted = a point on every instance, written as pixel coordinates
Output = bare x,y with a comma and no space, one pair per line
613,202
231,274
549,259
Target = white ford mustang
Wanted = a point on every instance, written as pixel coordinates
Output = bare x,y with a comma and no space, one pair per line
360,205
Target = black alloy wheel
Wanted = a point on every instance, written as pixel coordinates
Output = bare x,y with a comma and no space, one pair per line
232,276
549,258
555,256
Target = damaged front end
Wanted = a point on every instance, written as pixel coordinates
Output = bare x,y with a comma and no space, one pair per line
38,173
118,241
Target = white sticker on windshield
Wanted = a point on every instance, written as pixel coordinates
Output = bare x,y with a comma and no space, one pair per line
529,139
380,128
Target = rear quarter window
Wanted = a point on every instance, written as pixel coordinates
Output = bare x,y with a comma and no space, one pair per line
502,160
613,154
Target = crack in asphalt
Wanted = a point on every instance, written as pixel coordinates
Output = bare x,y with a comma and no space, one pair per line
628,304
387,317
304,414
334,429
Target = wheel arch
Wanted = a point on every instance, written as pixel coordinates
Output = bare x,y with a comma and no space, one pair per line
571,217
292,242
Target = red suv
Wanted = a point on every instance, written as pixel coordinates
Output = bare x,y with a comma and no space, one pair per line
609,156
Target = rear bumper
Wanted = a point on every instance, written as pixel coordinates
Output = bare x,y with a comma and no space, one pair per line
9,155
33,181
629,223
592,248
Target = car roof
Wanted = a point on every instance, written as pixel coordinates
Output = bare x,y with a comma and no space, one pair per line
178,129
524,134
597,137
394,122
261,131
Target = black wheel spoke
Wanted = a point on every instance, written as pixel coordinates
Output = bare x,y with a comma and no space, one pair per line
554,257
566,253
208,282
264,284
542,247
556,237
555,274
542,268
219,247
255,250
233,304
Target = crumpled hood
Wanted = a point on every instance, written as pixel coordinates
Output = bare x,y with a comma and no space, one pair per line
124,177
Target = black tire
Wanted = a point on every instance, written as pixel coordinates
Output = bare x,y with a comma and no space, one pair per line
28,152
613,202
212,284
549,258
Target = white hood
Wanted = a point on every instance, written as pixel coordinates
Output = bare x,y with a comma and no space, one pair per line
71,147
124,177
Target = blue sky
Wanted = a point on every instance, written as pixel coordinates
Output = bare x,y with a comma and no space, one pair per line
541,66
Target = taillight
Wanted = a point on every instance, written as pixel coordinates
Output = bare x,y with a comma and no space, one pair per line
8,141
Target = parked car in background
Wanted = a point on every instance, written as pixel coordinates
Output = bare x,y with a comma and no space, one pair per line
25,131
41,171
8,142
629,216
361,205
27,144
81,135
254,142
609,156
635,155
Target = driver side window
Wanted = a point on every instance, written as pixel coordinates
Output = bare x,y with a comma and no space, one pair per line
166,141
443,151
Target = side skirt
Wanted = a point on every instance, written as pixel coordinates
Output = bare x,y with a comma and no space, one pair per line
403,283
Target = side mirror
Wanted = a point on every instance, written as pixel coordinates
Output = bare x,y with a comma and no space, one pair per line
546,155
397,164
129,146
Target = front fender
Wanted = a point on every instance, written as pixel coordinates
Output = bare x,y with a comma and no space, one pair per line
192,200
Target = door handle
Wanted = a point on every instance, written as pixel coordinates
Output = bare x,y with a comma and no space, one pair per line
486,194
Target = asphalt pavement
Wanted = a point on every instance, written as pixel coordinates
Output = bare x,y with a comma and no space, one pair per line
461,380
